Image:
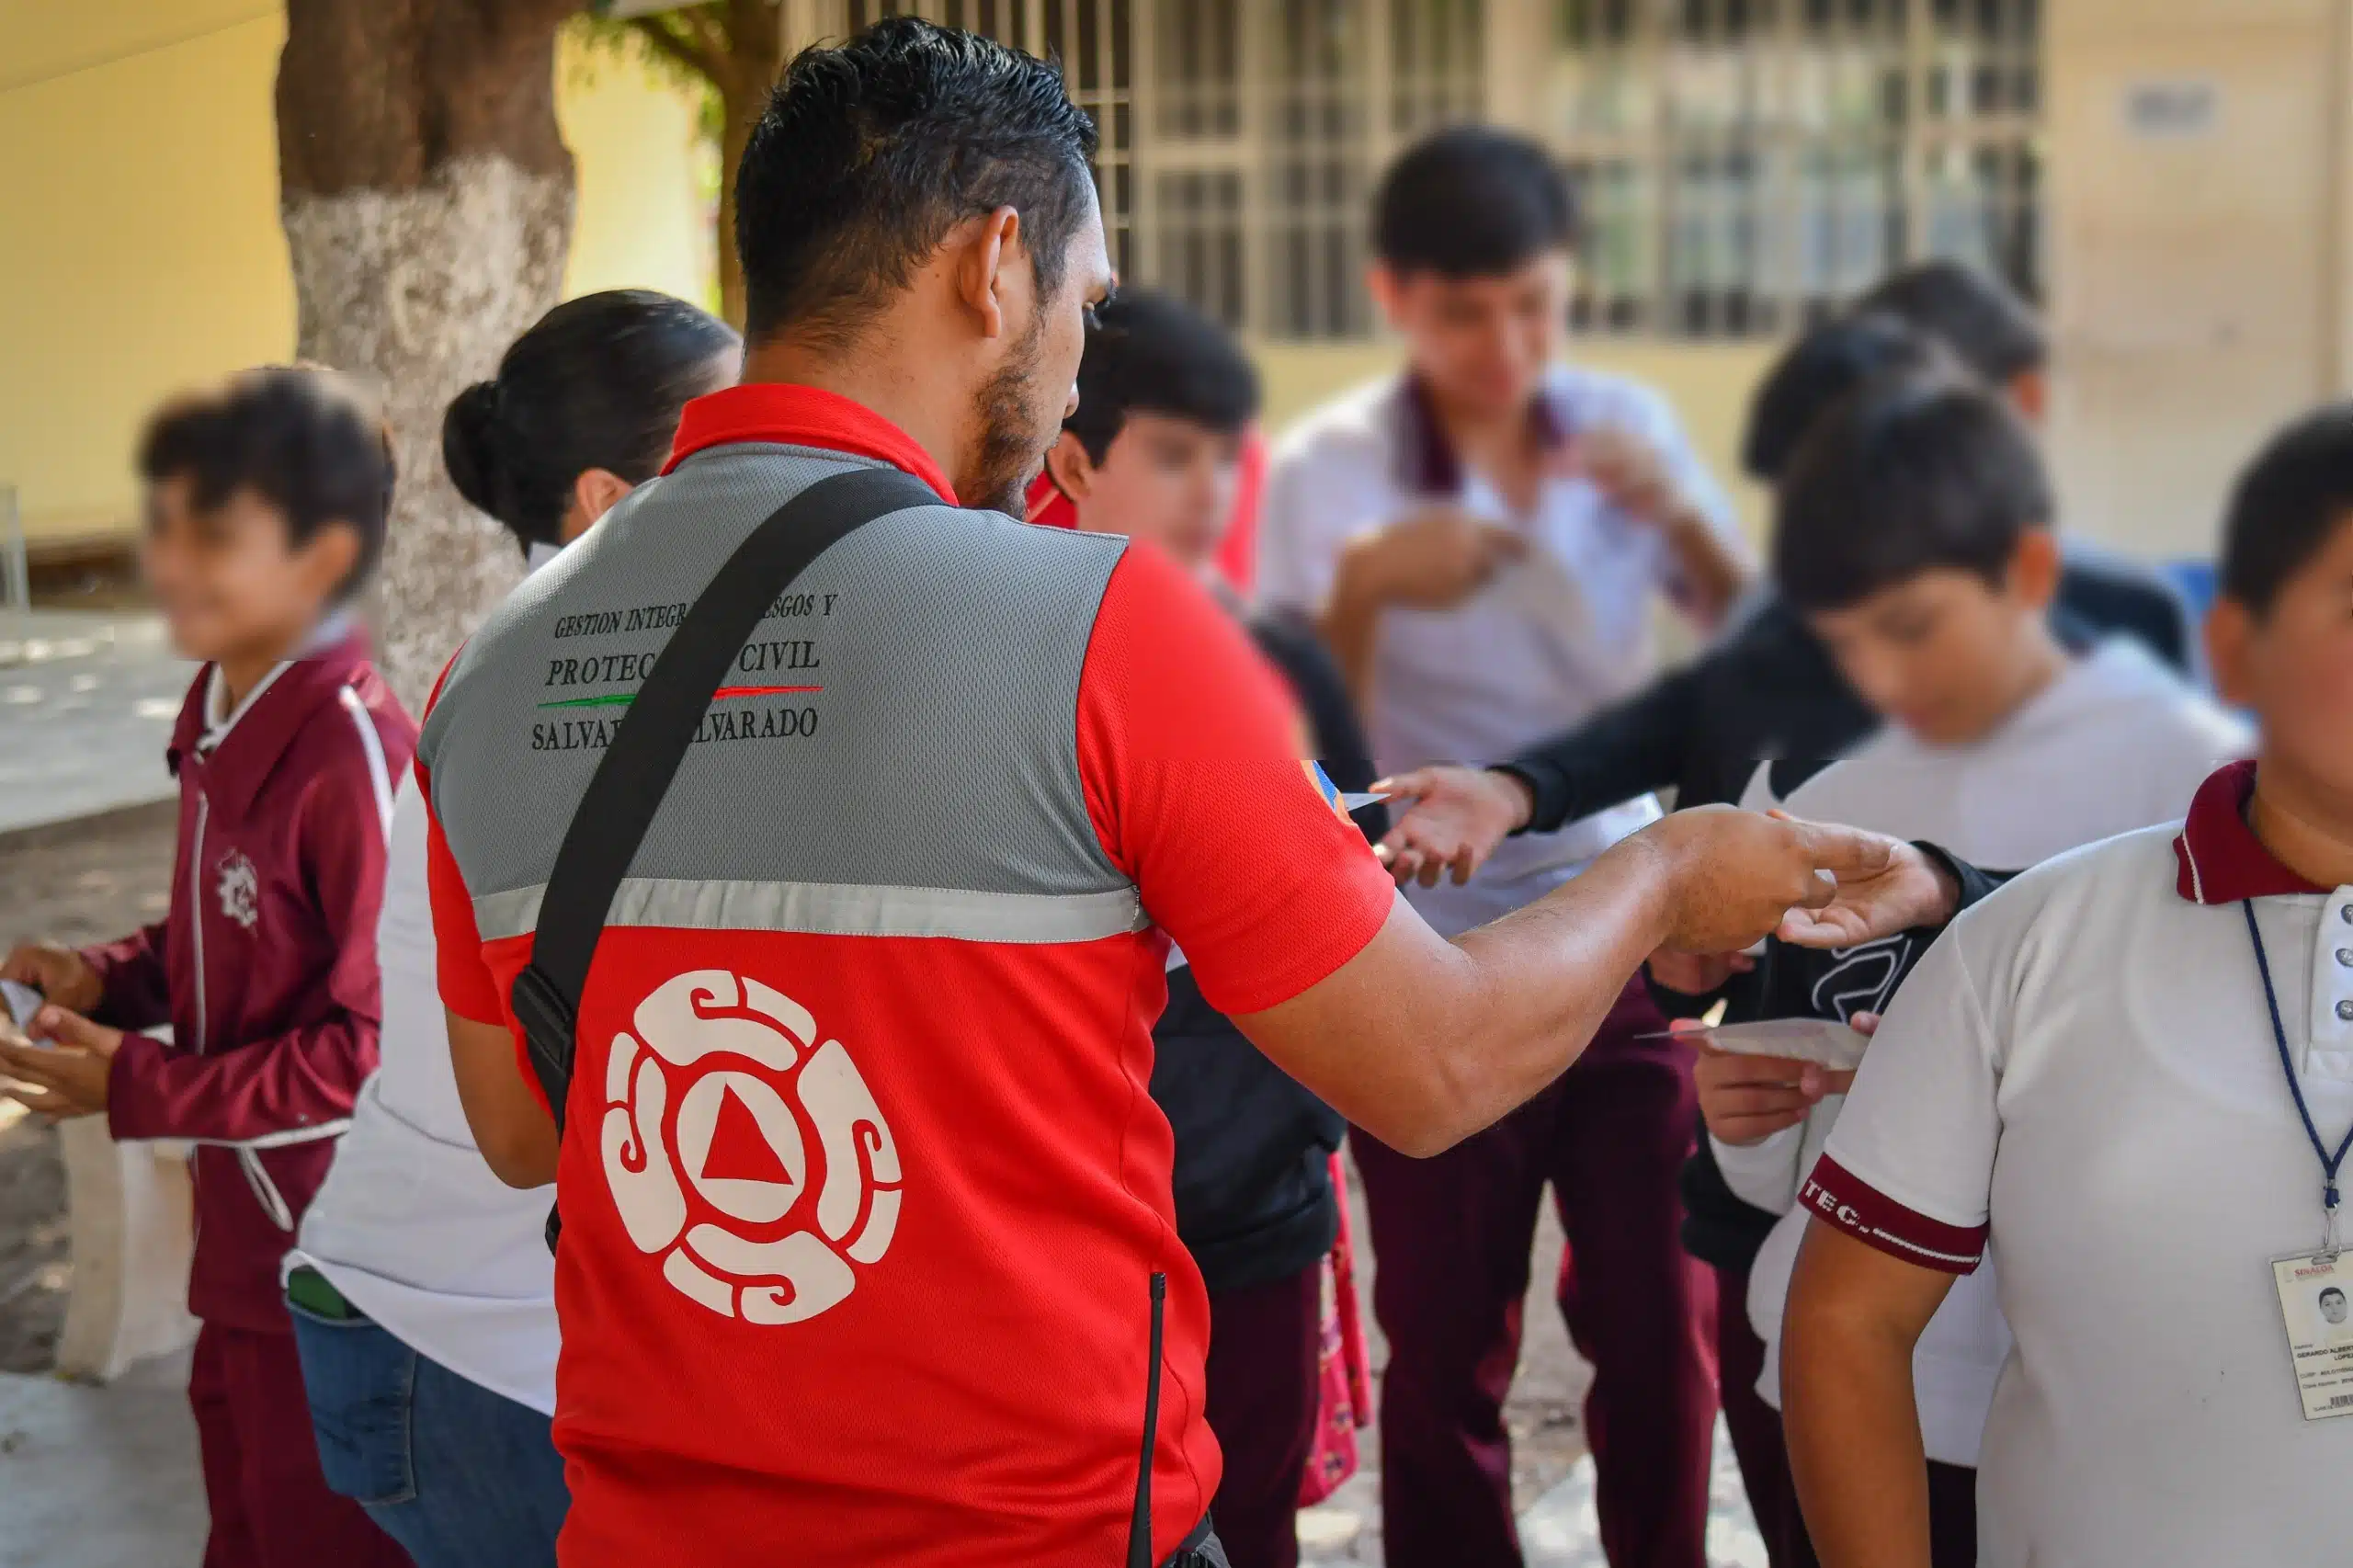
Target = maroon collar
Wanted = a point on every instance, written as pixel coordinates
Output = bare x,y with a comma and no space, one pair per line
800,416
235,769
2218,857
1428,463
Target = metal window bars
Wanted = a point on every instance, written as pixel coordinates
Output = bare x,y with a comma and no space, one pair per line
1744,166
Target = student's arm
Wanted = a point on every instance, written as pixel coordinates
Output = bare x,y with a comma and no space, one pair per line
1293,929
1649,471
1764,1173
1855,1316
305,1079
504,1106
1456,817
134,987
1431,559
1897,1205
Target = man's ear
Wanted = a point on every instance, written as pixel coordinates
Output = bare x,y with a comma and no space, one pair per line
986,264
2230,651
1070,468
2035,566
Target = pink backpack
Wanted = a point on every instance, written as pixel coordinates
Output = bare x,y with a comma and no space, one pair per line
1344,1383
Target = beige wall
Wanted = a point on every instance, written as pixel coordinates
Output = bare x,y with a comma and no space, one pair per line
138,197
2200,281
1708,383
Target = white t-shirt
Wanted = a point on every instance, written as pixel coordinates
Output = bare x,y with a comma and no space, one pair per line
411,1226
2080,1082
2118,742
1552,638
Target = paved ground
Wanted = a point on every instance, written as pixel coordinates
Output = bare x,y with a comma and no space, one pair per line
106,1477
86,704
99,1478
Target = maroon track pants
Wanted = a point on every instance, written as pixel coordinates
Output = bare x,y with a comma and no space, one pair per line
270,1505
1450,1241
1262,1406
1755,1425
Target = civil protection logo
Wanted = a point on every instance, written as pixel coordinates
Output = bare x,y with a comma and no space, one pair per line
749,1157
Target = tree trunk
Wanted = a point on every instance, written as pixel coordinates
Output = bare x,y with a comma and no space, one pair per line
735,132
755,57
428,201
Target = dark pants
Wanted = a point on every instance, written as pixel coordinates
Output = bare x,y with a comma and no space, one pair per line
462,1477
1262,1405
1450,1240
1953,1522
271,1507
1755,1425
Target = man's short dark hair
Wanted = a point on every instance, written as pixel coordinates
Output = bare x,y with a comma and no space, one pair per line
1821,371
868,154
2287,505
301,437
1971,311
1472,202
2328,1291
1148,352
1909,475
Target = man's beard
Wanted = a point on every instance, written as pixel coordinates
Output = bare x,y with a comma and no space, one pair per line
1011,447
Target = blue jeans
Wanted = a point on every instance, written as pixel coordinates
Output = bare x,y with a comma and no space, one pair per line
459,1476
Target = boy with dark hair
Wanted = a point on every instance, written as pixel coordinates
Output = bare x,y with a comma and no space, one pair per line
2128,1067
1975,315
1164,398
266,507
1482,540
1914,535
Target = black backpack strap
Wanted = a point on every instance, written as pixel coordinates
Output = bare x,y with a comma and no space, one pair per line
650,741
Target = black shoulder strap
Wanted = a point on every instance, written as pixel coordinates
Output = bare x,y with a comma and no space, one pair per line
652,741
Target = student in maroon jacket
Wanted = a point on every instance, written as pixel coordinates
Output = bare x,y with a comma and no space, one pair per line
265,509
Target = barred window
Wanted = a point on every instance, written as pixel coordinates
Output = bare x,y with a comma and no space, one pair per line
1749,164
1744,166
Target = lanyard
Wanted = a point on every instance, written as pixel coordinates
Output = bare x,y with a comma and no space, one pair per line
2329,1163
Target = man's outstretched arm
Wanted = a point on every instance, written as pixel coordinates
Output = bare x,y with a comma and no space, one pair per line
1423,1041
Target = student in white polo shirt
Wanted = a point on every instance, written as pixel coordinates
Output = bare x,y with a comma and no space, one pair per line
1484,538
2127,1074
421,1289
1914,534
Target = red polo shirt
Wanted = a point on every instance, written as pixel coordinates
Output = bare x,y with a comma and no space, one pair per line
970,1182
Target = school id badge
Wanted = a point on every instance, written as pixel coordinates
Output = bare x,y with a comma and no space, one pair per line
2317,1305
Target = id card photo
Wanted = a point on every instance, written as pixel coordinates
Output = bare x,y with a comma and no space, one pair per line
2317,1305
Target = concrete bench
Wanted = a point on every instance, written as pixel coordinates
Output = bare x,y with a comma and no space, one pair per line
131,1211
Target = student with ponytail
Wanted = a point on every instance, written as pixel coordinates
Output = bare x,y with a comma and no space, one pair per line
422,1292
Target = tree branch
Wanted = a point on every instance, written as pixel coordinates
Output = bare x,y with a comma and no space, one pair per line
695,55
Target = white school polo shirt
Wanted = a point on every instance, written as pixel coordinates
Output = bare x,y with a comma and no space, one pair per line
411,1226
2079,1081
2116,742
1550,640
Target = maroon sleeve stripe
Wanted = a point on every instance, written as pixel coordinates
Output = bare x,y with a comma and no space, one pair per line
1837,1196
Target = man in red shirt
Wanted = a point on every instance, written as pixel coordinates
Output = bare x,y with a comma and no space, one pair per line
870,1254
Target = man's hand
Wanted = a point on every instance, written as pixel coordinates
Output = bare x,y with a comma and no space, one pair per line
1911,889
58,973
1746,1100
1433,559
68,1076
1734,877
1453,819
